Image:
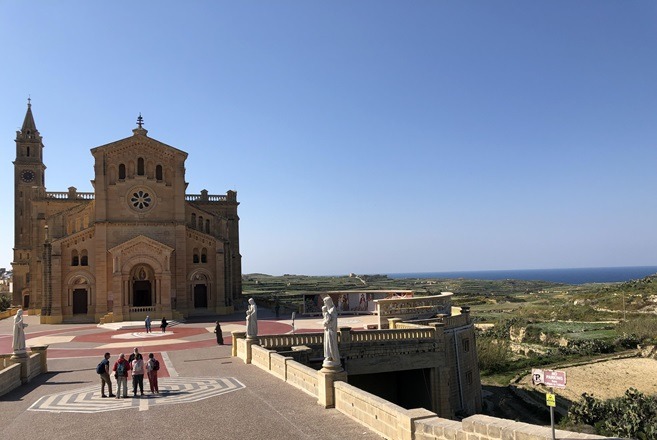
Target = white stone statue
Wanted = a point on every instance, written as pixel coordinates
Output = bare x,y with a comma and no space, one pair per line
331,352
252,320
19,332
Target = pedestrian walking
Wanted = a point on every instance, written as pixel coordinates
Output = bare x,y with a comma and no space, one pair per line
103,370
164,324
152,367
121,368
138,375
147,323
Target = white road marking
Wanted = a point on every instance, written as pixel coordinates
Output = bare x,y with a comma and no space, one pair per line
172,371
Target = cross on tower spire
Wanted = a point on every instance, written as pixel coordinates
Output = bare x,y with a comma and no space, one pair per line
140,120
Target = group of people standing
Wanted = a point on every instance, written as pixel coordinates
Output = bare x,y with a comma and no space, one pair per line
163,325
134,364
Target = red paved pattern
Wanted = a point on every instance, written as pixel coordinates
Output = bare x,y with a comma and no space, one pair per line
89,339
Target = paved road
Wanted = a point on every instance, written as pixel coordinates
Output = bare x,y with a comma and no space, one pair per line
205,393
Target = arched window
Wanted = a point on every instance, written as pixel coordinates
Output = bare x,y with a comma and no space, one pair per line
200,223
204,255
75,260
84,259
158,172
193,220
140,166
195,258
207,226
122,171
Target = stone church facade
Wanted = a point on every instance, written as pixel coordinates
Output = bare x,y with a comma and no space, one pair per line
137,245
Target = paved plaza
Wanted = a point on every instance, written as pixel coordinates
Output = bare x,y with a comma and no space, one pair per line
204,392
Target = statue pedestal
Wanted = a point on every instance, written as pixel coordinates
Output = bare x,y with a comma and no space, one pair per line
326,377
43,351
21,357
249,343
235,336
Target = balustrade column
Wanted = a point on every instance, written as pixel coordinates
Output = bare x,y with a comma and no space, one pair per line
345,335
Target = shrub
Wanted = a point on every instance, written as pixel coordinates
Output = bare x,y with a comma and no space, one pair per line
632,416
494,355
587,347
628,341
643,327
5,303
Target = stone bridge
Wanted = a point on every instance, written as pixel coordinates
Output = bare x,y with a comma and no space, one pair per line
432,364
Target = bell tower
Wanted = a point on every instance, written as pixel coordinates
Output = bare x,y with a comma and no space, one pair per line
29,184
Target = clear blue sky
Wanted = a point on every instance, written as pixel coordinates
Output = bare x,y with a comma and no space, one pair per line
363,136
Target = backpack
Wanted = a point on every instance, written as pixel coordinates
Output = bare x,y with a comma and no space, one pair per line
156,365
120,369
100,368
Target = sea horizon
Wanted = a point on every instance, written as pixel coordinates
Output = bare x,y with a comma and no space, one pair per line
581,275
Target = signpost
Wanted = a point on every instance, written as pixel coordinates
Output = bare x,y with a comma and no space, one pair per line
552,379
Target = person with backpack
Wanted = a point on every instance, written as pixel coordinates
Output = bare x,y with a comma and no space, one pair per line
137,367
152,367
121,368
103,371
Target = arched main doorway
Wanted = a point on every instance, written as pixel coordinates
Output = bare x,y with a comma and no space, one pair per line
200,290
80,302
142,286
200,296
79,294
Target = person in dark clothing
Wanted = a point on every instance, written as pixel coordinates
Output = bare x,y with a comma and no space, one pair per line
220,336
164,324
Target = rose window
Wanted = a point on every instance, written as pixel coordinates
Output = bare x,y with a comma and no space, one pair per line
141,199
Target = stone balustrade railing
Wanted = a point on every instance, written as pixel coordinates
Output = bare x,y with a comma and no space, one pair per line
393,335
346,336
456,320
407,325
59,195
205,198
281,341
142,309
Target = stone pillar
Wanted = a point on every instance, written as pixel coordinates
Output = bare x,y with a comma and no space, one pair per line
46,307
43,351
325,389
345,335
249,344
392,323
439,377
23,359
236,336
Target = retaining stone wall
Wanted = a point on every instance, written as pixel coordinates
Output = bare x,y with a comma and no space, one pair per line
302,377
10,378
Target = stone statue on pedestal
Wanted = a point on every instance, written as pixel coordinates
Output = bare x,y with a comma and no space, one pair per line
331,352
252,320
19,333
